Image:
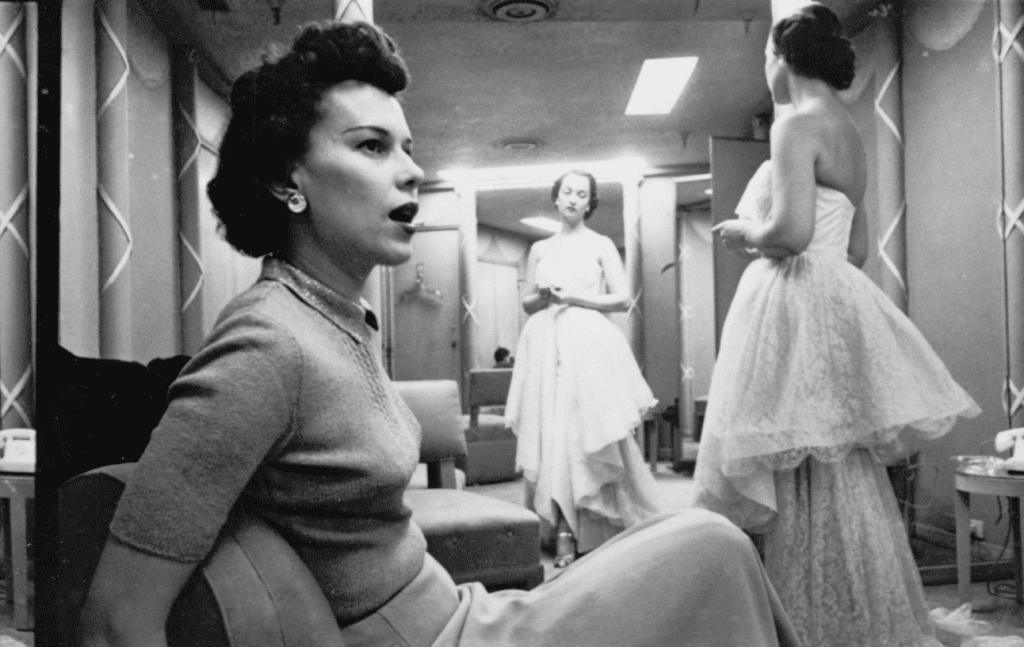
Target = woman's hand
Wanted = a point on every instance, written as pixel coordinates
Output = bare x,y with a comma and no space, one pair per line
736,237
733,233
539,300
557,296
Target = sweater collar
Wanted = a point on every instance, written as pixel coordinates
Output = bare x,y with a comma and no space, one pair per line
357,319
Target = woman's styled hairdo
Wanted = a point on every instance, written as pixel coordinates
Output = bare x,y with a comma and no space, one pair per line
592,205
273,109
811,43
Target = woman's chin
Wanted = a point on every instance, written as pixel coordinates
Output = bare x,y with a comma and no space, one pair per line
395,255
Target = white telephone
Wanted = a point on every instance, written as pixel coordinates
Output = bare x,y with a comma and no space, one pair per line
17,450
1012,438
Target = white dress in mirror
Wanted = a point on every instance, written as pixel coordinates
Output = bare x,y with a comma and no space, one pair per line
820,380
577,395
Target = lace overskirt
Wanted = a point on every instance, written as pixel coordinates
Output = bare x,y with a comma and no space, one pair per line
815,361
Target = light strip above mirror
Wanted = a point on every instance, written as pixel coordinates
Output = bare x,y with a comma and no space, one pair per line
543,223
515,177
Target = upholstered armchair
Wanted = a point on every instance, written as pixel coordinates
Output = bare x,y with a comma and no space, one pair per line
253,590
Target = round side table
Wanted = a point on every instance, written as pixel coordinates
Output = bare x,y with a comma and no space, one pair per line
998,483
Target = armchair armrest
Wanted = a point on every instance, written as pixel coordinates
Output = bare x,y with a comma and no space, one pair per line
253,588
438,408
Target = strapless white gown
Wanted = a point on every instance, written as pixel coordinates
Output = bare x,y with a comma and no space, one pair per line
819,380
576,396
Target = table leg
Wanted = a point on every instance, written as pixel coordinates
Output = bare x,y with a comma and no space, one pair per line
653,441
961,505
19,557
5,528
1018,568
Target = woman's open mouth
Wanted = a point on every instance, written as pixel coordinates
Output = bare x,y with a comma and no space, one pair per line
404,214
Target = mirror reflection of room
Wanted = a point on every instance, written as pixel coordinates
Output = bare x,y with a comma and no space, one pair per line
504,97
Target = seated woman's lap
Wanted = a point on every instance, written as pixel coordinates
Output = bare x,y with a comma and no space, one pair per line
690,578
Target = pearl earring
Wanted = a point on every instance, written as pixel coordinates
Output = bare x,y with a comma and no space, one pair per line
296,202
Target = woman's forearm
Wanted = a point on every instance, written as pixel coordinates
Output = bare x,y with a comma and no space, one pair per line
602,302
776,252
130,598
774,241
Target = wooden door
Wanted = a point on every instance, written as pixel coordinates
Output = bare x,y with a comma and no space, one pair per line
425,295
497,287
733,162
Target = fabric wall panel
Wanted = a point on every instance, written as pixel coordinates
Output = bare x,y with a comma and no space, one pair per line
15,243
79,261
153,217
954,255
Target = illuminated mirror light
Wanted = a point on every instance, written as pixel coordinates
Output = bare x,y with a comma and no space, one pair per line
659,85
544,174
542,222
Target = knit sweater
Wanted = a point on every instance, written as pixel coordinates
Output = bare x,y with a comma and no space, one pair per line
287,411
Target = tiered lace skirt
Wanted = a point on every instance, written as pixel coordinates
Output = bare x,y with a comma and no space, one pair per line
819,382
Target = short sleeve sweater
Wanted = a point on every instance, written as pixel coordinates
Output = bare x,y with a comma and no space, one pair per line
286,410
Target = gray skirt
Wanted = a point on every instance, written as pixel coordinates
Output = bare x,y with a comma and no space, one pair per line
690,578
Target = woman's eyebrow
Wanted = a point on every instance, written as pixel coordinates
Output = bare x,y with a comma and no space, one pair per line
378,129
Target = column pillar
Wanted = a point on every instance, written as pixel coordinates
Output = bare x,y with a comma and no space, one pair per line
657,241
470,325
115,238
632,262
1008,45
15,256
188,143
686,407
892,205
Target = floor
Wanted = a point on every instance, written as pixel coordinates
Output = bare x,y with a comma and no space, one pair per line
992,603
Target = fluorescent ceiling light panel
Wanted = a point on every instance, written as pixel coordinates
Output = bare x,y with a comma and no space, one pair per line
659,85
542,222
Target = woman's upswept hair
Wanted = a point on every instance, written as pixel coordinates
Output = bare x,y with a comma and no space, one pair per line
273,109
812,44
557,186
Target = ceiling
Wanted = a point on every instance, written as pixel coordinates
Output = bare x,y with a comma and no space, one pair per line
561,83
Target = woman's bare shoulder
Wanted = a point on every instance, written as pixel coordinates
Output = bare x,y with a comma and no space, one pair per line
601,241
802,126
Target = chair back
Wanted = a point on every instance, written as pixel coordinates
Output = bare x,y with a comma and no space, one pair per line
253,590
487,387
436,404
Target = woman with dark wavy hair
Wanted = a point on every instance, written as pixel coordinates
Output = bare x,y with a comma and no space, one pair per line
819,377
286,412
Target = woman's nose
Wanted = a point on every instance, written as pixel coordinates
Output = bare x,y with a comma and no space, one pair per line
412,175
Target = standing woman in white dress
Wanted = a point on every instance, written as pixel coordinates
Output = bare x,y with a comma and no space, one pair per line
819,377
577,393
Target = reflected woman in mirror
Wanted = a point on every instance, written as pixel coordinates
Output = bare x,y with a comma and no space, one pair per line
820,379
286,413
577,393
